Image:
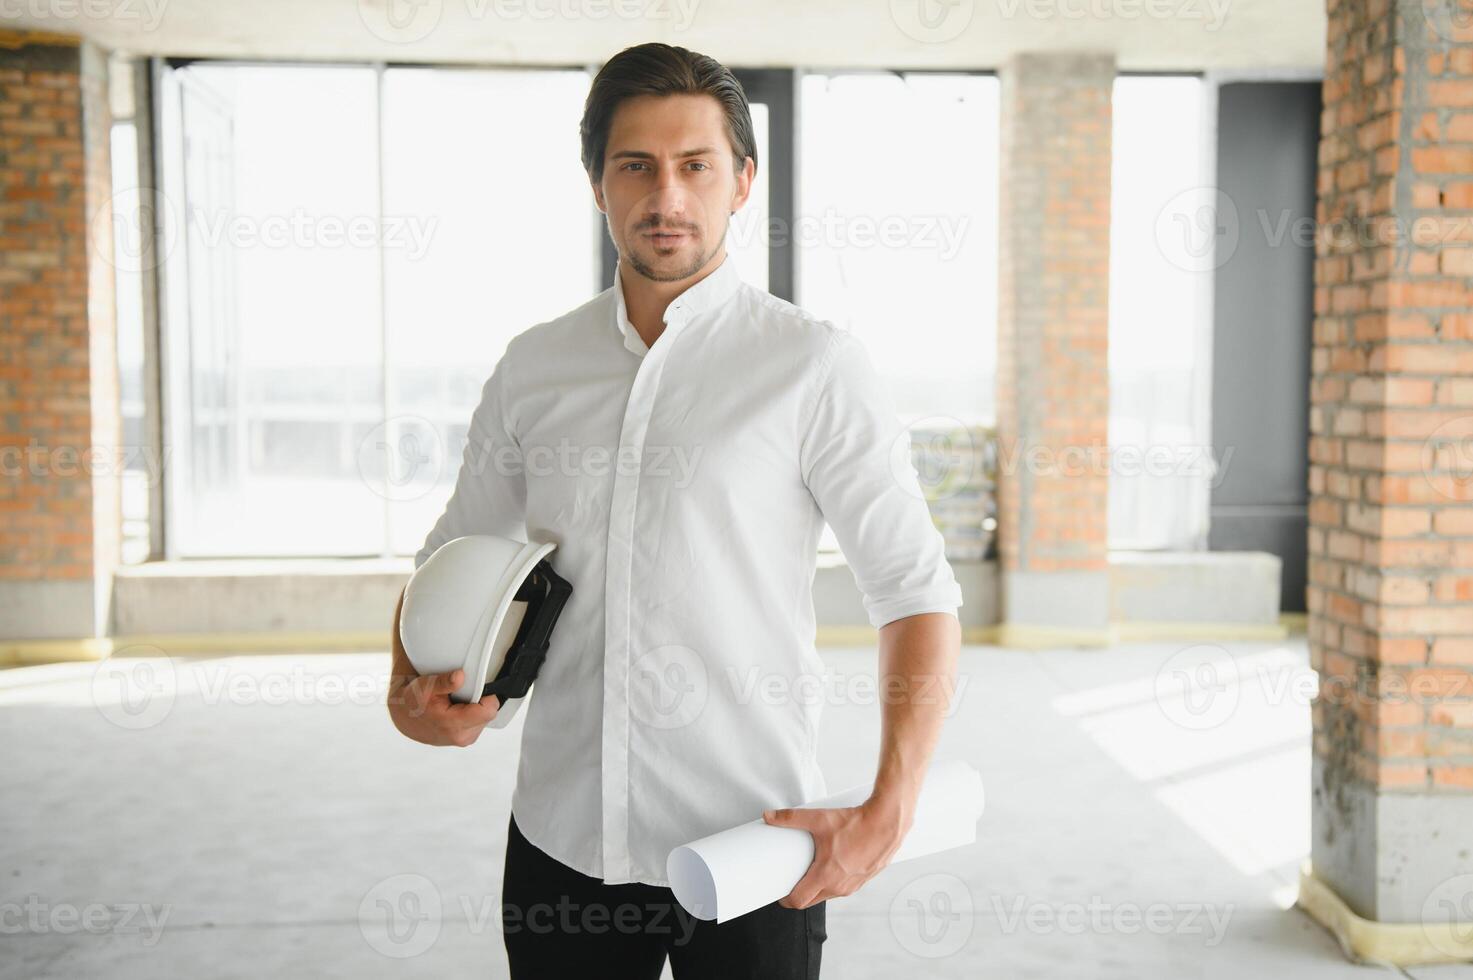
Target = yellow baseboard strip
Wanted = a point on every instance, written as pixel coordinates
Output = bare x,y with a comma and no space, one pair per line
217,644
18,653
30,653
1388,943
1019,637
26,653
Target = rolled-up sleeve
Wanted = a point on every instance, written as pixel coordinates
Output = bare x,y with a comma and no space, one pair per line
490,494
855,459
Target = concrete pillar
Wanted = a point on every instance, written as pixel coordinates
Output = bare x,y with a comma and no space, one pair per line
1390,592
60,428
1053,322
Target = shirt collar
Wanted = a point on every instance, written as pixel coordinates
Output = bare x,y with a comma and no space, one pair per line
708,294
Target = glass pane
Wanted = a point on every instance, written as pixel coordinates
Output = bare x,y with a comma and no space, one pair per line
897,234
747,238
499,233
141,470
1160,280
897,240
282,345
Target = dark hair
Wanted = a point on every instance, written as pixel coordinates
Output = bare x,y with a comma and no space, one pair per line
662,69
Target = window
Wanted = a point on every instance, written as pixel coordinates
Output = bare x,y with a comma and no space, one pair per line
491,159
897,241
141,468
897,230
1161,234
339,294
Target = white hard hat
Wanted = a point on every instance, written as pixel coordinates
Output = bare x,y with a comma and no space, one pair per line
486,604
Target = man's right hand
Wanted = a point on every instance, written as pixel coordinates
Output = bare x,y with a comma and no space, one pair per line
421,708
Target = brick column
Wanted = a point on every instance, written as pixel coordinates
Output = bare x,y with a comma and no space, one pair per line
1390,590
59,416
1053,320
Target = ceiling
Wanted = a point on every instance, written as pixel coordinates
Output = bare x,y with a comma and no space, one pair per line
1260,36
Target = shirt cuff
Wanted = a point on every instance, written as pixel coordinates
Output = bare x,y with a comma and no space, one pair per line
944,598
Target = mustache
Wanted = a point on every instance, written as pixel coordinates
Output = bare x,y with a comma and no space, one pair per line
664,226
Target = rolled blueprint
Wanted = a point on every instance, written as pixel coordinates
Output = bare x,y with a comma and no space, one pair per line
733,872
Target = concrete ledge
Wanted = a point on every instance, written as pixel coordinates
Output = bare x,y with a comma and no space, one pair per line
256,598
47,610
305,605
1195,587
1144,632
1390,943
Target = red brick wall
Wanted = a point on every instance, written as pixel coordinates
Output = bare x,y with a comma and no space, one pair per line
57,336
1053,314
1390,591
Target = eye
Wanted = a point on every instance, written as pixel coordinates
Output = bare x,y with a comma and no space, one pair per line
700,164
631,166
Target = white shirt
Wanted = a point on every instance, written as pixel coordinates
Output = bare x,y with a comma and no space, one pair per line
686,486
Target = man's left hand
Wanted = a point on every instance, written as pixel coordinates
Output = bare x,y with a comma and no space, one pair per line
850,846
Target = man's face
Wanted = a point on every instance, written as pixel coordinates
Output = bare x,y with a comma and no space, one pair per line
669,184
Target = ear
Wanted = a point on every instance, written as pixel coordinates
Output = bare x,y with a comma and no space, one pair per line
598,194
744,178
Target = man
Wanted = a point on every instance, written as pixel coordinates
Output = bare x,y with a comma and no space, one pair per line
683,437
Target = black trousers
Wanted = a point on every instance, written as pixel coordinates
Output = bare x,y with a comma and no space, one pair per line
561,924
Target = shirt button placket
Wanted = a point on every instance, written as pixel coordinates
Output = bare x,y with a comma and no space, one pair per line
618,600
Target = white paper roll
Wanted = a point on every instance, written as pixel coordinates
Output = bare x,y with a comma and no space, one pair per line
733,872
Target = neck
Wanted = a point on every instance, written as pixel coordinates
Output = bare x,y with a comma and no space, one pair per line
646,300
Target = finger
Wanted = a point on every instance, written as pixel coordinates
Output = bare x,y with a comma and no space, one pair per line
447,683
423,692
803,819
417,695
473,714
428,687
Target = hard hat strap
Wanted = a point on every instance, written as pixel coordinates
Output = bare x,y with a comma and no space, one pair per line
545,593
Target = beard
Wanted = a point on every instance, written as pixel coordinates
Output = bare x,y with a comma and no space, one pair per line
649,265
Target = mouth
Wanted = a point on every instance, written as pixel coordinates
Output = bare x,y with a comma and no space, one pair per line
666,238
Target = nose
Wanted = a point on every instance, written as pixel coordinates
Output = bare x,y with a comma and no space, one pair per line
668,198
665,207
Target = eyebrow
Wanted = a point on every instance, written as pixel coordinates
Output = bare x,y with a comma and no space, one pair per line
644,155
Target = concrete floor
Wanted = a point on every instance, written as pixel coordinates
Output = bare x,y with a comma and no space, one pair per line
265,811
